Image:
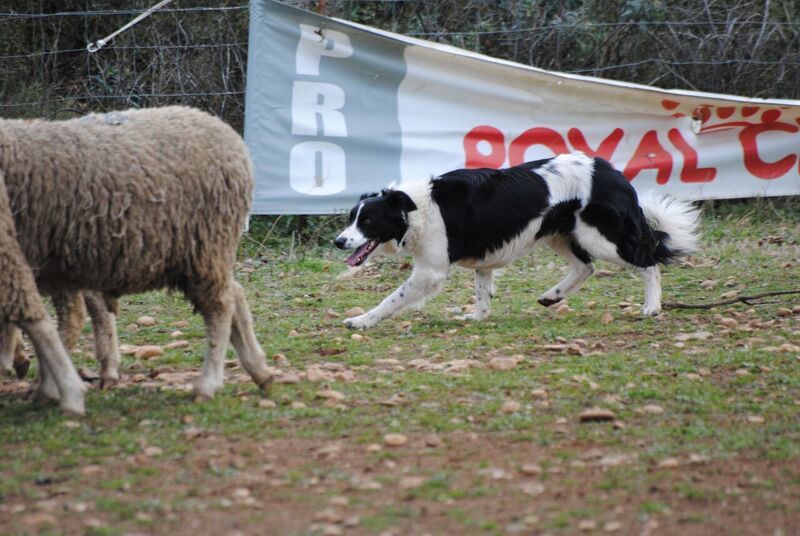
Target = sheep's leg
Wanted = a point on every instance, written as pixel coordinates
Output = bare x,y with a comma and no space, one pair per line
71,314
21,360
12,352
8,340
106,345
243,338
55,364
46,388
218,321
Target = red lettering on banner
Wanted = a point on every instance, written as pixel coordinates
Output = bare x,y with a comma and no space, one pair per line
604,150
535,136
753,162
690,172
496,141
650,155
724,112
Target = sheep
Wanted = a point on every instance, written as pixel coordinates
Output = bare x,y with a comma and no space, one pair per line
133,201
71,309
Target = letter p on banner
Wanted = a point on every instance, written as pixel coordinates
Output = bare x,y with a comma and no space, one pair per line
316,43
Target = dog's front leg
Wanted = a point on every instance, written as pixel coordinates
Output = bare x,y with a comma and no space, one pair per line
424,283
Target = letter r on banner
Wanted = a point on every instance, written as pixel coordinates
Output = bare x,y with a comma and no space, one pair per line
315,108
316,43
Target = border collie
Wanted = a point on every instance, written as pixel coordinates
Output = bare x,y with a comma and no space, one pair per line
483,219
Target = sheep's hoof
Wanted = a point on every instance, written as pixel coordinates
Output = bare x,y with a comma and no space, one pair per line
108,383
200,398
547,302
265,384
21,368
205,388
73,409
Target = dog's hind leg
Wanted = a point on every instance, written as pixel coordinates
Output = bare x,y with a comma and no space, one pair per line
581,268
599,246
484,290
652,290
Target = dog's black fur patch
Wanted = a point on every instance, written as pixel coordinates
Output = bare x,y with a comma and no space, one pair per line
614,210
560,219
484,208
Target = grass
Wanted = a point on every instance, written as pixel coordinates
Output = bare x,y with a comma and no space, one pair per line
706,390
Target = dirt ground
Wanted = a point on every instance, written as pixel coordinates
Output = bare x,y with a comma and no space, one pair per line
583,419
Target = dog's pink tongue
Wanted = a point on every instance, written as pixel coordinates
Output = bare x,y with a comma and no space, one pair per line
353,259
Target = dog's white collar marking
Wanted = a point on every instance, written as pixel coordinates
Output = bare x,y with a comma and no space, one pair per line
358,212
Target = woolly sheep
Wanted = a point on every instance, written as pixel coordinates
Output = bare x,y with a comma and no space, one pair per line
133,201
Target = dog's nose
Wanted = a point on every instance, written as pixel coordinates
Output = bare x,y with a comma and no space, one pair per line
339,242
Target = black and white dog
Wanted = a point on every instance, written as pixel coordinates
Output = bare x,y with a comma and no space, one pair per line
483,219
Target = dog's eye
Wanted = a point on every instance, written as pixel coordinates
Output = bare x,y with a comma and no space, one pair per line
367,221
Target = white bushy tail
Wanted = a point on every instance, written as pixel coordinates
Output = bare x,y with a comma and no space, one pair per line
675,223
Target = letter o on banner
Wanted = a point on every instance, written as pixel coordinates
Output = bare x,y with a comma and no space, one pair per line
479,137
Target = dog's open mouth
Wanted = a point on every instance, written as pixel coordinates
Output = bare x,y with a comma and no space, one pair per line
360,255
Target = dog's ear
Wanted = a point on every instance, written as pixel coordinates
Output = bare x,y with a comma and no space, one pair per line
399,200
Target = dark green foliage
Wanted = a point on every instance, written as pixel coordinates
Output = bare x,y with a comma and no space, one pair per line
199,57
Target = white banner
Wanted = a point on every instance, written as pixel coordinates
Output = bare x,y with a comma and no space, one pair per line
335,109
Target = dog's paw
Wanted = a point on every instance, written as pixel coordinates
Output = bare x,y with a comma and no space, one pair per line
547,301
364,321
649,310
475,316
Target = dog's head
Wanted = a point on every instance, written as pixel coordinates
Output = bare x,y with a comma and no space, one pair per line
376,219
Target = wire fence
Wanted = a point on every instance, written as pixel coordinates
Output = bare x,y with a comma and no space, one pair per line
195,51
